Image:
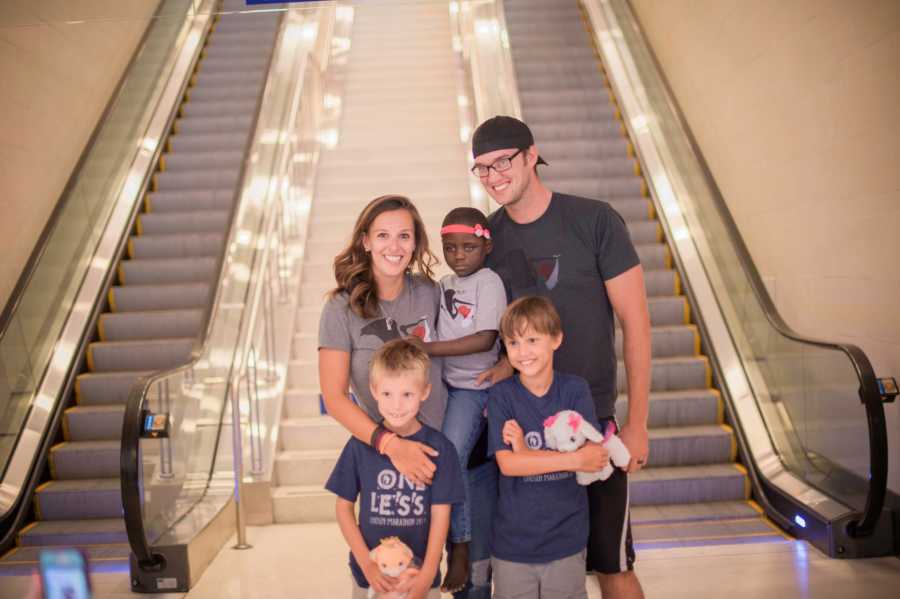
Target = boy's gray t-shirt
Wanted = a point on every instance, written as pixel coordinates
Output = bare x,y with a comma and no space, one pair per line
414,312
469,305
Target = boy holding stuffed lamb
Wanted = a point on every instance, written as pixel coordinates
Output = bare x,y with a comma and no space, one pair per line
541,524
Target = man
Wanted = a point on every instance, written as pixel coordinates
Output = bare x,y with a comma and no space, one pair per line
576,252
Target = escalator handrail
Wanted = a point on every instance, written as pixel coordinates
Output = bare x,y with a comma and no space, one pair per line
132,424
869,393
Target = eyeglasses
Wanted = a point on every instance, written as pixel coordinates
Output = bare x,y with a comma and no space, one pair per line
499,165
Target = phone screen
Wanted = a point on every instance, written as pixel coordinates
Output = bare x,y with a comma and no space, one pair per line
64,574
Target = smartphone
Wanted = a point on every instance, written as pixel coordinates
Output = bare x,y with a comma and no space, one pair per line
64,574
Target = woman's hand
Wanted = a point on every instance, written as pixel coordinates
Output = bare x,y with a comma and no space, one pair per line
496,373
377,579
513,435
410,458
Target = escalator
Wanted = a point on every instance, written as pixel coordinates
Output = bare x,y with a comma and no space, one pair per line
695,491
744,412
158,300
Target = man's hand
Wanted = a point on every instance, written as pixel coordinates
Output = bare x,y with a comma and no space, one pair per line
499,371
591,457
377,579
637,440
410,458
513,435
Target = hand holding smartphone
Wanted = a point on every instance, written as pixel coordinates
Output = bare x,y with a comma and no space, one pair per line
64,574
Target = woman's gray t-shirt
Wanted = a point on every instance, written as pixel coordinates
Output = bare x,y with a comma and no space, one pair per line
413,312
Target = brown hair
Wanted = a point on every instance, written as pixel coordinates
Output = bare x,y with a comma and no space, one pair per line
399,355
353,265
535,312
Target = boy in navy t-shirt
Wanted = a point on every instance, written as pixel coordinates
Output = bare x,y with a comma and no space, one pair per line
390,504
541,521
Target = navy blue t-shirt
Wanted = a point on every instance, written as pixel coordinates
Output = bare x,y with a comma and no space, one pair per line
540,518
390,504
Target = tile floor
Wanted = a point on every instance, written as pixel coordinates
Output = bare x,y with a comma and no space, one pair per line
297,561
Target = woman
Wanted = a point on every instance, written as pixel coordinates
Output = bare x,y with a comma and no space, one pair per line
384,290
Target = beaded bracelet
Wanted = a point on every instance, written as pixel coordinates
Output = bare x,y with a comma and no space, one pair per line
385,441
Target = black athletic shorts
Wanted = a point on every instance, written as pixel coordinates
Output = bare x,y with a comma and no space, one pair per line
610,549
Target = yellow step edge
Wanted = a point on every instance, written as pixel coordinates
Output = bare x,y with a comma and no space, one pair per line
148,207
677,284
65,427
645,188
708,367
651,210
696,340
637,167
776,528
740,468
713,537
24,530
187,92
630,149
623,131
77,390
720,407
50,461
168,145
175,126
180,113
162,163
111,300
120,270
139,226
668,253
131,247
617,114
722,520
687,312
660,234
101,329
755,506
193,80
11,552
730,431
90,358
153,182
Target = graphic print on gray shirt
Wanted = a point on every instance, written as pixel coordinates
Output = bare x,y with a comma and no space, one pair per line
566,255
414,312
469,305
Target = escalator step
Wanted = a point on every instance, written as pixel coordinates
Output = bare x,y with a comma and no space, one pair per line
212,159
688,484
183,245
159,297
105,388
678,408
94,423
692,445
131,326
85,460
74,533
681,513
669,341
202,142
154,354
76,499
167,271
188,221
605,188
207,179
674,374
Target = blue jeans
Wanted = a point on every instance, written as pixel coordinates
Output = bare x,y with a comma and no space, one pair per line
483,488
463,424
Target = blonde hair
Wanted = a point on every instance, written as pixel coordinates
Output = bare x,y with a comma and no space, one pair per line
353,265
533,311
399,356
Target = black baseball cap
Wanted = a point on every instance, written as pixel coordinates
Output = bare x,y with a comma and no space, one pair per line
500,133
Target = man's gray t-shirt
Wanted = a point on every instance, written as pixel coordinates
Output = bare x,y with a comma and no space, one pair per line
566,255
413,312
469,305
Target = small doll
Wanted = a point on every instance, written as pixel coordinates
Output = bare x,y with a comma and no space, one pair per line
395,559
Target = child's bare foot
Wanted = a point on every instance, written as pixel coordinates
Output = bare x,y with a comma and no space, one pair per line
457,568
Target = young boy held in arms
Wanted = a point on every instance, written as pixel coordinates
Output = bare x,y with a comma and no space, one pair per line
541,524
390,504
472,301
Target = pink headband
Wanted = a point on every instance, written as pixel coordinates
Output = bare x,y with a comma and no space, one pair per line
477,230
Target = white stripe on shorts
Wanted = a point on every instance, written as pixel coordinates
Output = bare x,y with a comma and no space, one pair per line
623,557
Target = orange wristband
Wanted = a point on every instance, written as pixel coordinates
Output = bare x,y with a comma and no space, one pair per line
385,441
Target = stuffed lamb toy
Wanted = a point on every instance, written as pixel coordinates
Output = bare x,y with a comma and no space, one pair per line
567,431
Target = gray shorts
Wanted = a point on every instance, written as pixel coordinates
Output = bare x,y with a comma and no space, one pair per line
361,593
560,579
